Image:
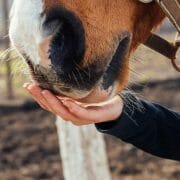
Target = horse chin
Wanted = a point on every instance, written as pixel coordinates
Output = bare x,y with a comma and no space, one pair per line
97,95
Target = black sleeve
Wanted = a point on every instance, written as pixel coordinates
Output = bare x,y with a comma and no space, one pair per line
155,130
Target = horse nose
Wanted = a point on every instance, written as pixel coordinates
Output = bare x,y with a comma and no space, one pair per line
67,46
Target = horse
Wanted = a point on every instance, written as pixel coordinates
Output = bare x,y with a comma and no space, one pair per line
75,47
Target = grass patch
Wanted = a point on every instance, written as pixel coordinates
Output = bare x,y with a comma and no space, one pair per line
18,75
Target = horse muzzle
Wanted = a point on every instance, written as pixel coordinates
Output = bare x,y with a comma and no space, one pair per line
59,63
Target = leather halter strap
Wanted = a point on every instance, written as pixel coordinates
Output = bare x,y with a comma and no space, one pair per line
165,48
172,10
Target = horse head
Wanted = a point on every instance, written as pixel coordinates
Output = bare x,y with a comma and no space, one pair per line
75,47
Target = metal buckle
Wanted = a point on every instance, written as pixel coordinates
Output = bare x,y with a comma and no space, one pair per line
146,1
177,45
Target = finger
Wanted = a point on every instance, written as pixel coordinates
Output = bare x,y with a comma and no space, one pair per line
38,95
25,85
96,113
60,110
89,115
76,121
57,106
35,91
109,110
81,122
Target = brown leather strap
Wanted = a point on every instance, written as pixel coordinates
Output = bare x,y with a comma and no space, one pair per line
162,46
172,9
174,61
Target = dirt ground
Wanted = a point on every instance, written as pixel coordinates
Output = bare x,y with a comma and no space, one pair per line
29,145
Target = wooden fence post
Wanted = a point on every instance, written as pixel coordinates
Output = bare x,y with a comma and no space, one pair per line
83,152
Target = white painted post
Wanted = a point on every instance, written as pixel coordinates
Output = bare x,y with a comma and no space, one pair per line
83,152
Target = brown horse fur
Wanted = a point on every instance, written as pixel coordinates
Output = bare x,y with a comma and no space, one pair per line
104,20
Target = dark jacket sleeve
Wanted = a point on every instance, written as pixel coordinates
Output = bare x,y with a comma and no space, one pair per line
154,129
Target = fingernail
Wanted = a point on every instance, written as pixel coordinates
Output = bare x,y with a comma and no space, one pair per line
44,92
25,85
64,102
29,87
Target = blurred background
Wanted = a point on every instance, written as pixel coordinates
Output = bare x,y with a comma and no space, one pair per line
28,139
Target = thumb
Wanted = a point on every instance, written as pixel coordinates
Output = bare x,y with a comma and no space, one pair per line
100,112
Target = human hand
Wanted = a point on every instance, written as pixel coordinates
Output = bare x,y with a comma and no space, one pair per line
76,112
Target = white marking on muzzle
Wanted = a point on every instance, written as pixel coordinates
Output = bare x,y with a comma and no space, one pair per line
26,27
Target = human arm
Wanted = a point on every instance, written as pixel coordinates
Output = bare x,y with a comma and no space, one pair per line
154,129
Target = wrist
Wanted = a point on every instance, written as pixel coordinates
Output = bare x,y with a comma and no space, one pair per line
118,108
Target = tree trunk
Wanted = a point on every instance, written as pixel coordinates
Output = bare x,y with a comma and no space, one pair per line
83,152
9,84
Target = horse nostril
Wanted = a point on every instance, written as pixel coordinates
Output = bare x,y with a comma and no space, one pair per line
68,42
